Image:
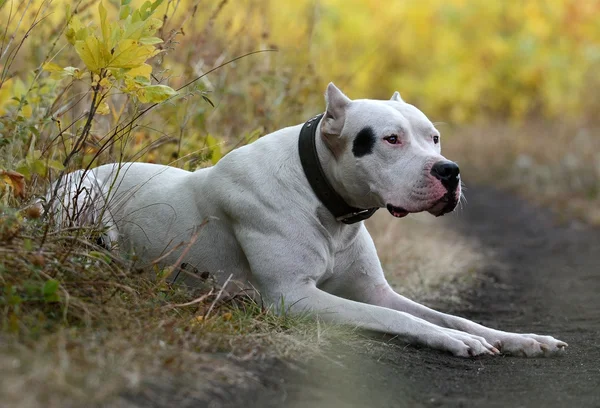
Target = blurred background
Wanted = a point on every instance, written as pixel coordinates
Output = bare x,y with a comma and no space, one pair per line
513,86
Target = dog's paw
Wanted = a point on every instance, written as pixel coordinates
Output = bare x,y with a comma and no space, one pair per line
463,344
529,345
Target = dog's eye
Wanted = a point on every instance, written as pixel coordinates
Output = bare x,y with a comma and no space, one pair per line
393,139
436,139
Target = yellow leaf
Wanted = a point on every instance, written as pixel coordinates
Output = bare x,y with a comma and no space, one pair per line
52,67
227,316
56,71
26,111
91,53
105,82
143,70
195,321
19,88
103,108
15,180
104,26
131,54
5,95
131,86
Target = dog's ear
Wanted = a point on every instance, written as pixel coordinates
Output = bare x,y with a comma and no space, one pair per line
396,97
335,114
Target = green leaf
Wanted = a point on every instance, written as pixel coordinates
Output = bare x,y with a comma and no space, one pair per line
34,130
99,255
56,165
155,93
36,154
145,10
38,167
152,24
125,11
150,40
50,288
24,170
142,81
76,30
32,288
133,31
215,148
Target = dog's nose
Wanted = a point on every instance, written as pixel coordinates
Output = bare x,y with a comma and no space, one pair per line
447,172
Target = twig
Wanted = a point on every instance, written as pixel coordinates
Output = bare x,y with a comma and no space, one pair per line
212,305
193,302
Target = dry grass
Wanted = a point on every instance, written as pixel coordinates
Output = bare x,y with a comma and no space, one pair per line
78,326
553,164
423,257
77,366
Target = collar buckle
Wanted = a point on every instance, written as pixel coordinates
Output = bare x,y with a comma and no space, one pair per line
356,216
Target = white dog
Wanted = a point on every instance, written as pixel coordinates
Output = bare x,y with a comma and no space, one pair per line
285,214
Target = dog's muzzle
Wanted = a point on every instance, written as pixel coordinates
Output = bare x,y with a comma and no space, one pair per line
448,173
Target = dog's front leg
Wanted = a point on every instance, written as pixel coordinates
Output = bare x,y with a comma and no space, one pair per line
308,298
362,279
529,345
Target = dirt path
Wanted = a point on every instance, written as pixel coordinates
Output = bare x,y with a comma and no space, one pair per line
549,284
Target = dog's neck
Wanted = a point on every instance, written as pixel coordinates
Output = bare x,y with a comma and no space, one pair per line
328,160
332,170
320,167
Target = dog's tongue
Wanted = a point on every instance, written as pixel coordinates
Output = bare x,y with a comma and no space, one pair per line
397,211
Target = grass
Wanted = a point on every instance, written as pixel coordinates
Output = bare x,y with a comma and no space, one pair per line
424,258
77,326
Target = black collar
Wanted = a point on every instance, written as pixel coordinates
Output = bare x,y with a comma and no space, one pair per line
307,148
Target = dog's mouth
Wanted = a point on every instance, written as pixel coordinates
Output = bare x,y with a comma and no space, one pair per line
445,205
397,212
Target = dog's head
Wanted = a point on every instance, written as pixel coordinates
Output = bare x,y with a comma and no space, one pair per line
387,154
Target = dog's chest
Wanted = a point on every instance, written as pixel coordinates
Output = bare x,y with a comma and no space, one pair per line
339,237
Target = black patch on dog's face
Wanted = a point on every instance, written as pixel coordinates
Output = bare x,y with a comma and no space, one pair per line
363,142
